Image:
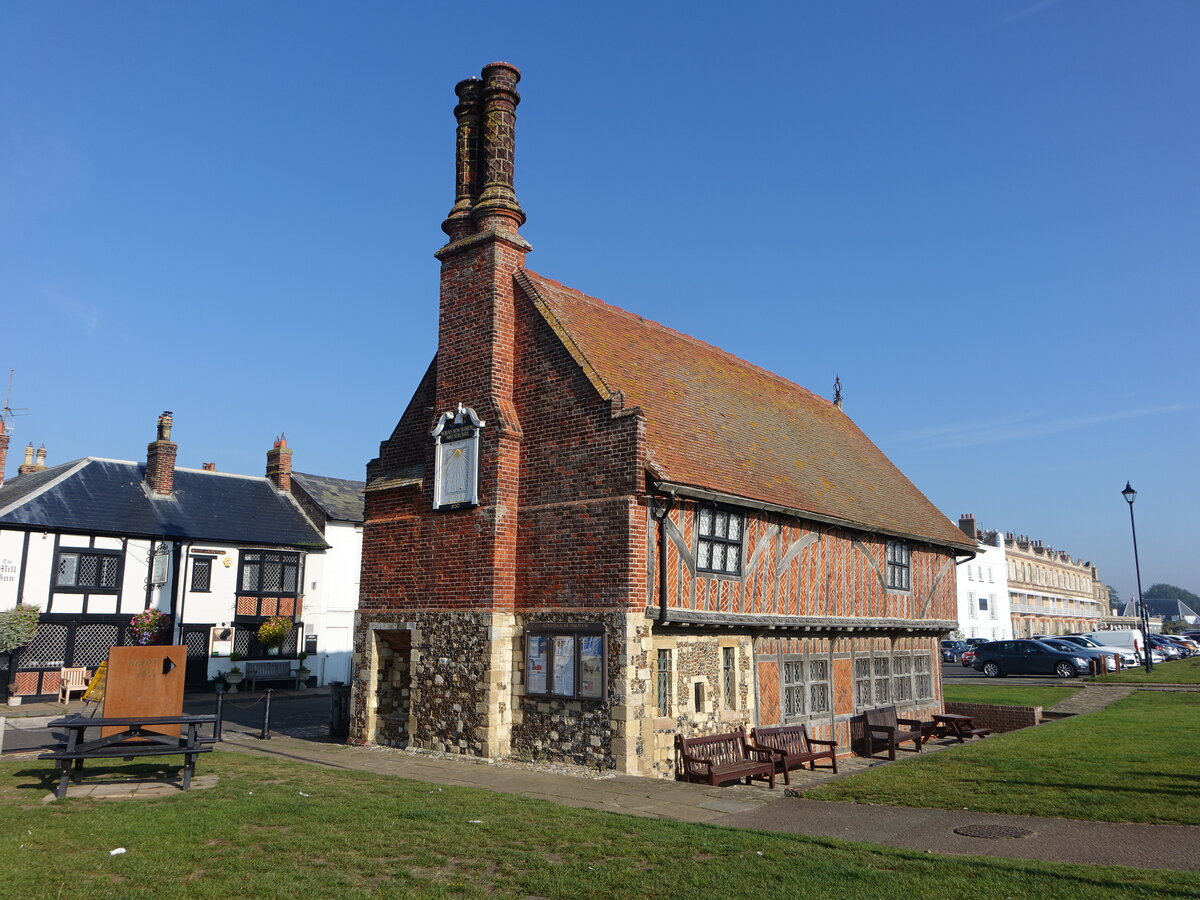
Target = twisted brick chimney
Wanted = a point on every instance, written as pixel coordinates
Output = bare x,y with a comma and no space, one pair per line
160,458
279,464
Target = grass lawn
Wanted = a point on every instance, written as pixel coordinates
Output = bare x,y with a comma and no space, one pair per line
1179,671
274,829
1135,761
1009,695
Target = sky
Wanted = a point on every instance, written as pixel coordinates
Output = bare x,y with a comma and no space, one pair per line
981,215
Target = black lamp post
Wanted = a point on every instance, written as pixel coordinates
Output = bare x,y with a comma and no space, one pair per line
1130,495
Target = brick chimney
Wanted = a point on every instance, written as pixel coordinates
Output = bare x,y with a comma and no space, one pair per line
209,466
4,439
160,458
966,524
279,464
28,467
40,465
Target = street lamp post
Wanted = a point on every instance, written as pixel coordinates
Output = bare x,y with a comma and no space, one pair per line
1130,495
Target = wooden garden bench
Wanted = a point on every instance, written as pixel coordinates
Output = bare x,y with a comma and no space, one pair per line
720,758
882,726
792,748
271,670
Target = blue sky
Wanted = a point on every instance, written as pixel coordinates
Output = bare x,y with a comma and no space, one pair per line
982,215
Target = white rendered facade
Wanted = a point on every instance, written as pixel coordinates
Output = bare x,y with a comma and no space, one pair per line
982,583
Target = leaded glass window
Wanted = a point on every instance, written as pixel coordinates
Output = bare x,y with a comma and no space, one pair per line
794,706
719,544
899,566
269,572
883,671
818,686
86,570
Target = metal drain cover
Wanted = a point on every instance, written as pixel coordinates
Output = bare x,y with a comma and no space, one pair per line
994,831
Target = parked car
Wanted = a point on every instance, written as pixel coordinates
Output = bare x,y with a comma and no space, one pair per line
1186,645
952,650
1129,638
1027,657
976,642
1128,657
1110,662
968,656
1168,648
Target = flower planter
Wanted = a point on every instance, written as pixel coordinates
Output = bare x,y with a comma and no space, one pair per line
233,679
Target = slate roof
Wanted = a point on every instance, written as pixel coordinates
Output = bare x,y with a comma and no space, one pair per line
108,496
717,422
339,498
1169,608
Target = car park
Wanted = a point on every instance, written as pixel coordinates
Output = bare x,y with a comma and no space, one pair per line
1028,657
952,650
1128,657
1187,646
968,656
1107,660
1167,648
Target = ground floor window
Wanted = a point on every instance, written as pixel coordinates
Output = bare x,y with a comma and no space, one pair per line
923,680
565,663
902,687
663,682
805,687
729,676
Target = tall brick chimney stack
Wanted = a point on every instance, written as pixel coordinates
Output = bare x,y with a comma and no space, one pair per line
279,464
40,465
28,466
966,524
160,458
498,207
468,113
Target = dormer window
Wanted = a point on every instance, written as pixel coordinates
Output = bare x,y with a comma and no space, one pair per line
719,541
899,566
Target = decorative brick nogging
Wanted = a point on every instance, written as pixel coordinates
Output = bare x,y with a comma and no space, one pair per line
997,717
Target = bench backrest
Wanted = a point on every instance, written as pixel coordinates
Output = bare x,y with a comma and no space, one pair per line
883,715
270,668
720,748
791,739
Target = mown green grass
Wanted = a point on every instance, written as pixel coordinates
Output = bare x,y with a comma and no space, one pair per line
1008,695
1179,671
363,835
1135,761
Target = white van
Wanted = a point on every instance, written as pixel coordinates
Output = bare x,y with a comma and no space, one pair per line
1126,638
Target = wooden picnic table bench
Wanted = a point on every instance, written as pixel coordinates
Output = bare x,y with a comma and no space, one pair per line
136,737
883,726
792,748
952,725
719,758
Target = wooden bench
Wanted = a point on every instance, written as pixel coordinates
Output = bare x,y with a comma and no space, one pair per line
719,758
882,726
792,748
135,739
271,670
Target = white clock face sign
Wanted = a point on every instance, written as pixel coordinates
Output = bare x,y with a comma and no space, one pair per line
456,459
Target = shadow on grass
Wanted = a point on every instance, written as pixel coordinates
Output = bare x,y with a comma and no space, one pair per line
1092,787
101,773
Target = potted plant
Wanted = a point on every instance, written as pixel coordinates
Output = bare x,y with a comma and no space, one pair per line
233,678
17,628
302,672
273,632
219,683
147,627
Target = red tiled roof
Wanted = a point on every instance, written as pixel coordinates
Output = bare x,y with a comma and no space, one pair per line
717,422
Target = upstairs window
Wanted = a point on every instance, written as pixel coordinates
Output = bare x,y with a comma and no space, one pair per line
269,573
202,574
899,566
719,542
88,570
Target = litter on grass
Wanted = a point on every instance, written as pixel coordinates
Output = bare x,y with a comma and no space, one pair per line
116,852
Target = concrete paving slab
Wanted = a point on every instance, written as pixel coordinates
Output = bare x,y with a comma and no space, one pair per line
1060,840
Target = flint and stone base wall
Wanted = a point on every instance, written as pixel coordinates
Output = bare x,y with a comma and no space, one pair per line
453,681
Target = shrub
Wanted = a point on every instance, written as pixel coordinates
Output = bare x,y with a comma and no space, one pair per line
17,627
274,631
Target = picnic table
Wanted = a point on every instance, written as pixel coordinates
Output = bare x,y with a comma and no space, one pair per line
952,725
134,737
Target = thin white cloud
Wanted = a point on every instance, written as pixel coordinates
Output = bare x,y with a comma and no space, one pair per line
71,308
1014,428
1029,11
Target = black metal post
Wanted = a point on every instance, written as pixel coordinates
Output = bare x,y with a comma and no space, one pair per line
266,726
1129,494
220,715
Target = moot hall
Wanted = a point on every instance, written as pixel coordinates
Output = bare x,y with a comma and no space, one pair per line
589,532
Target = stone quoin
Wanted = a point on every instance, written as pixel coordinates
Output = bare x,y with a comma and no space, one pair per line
661,537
